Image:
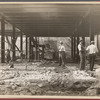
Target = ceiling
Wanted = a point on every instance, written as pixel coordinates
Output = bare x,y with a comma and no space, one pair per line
53,19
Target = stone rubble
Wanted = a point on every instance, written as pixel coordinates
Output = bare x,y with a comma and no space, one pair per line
43,78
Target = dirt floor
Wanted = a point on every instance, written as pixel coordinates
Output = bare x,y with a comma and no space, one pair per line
47,78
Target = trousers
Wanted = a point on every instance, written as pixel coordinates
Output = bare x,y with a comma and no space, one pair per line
82,60
8,58
62,58
92,61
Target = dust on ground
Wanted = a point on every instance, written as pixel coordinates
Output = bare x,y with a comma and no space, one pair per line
47,78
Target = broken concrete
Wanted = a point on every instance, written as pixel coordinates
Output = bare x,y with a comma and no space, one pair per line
44,78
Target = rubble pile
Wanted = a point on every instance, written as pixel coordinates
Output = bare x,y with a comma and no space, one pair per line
76,80
94,89
44,78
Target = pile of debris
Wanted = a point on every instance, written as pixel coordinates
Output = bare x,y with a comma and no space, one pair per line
94,89
42,80
75,80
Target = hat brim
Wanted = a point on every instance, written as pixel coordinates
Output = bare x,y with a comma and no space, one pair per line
92,42
80,40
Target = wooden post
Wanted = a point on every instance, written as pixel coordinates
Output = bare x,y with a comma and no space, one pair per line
91,33
72,47
13,44
43,52
91,26
38,57
77,49
2,40
29,48
21,41
83,38
26,46
36,49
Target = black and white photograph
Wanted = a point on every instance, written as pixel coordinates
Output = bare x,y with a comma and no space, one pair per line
50,49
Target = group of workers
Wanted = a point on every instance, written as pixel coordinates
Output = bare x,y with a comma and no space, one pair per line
91,51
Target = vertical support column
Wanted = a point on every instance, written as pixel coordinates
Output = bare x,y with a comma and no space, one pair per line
26,47
38,57
91,26
91,32
29,48
72,47
21,41
43,52
2,40
36,49
92,37
83,38
13,44
98,43
77,49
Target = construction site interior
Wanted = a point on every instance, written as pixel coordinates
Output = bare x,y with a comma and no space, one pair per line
32,32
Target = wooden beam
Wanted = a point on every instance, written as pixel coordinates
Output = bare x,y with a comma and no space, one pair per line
91,25
83,38
43,52
13,43
77,49
2,40
29,48
36,49
21,41
26,47
72,48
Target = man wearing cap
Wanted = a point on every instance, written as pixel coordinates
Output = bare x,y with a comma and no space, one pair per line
61,54
81,49
92,50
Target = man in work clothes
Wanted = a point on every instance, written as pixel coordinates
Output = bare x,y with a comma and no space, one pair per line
61,54
92,50
8,58
81,49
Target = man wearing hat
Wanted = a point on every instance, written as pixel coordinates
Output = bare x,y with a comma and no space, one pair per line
81,49
92,50
61,54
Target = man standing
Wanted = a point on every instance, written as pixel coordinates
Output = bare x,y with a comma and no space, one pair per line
61,54
81,49
8,58
92,50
